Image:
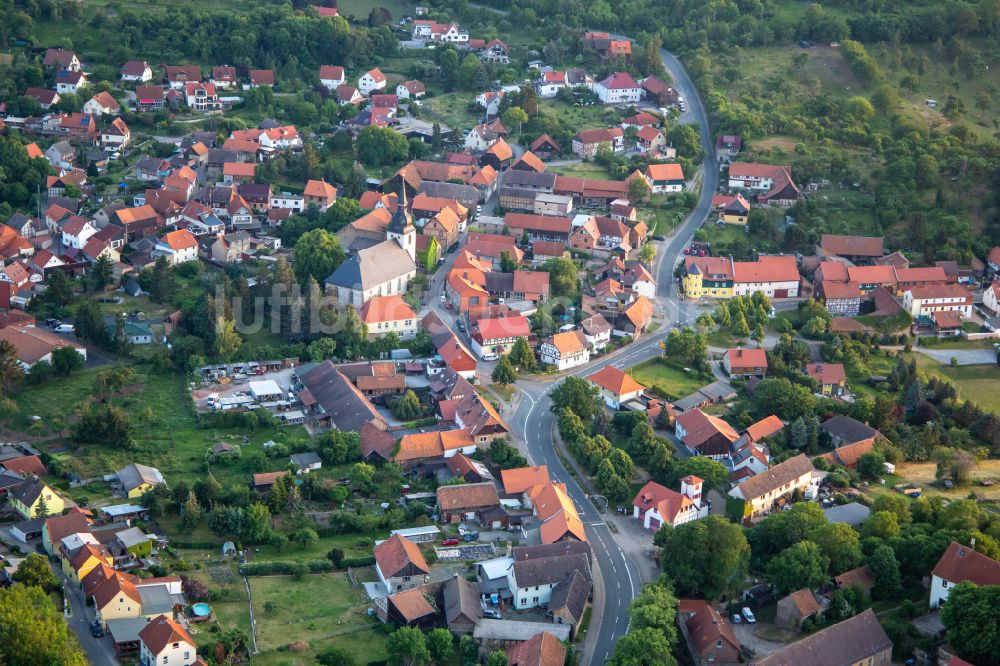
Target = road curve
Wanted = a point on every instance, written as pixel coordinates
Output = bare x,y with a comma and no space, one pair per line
535,423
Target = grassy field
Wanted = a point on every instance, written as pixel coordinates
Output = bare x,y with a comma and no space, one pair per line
977,383
956,343
171,438
666,378
922,475
321,610
580,170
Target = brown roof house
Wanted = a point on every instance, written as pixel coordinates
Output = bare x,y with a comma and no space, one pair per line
399,564
542,649
960,564
765,491
708,634
466,502
860,576
795,608
859,640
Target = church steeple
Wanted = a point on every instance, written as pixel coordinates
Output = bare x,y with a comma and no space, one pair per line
401,227
401,219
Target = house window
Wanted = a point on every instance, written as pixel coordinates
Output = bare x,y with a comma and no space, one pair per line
166,659
176,645
534,600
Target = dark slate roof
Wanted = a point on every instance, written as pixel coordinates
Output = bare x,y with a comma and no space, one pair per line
848,429
548,570
340,398
572,595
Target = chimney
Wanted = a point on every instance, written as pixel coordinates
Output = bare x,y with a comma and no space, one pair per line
739,352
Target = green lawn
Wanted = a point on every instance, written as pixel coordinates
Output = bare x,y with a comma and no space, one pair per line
451,109
321,610
580,170
172,438
956,343
977,383
666,378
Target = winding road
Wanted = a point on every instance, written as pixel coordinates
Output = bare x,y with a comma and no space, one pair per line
535,423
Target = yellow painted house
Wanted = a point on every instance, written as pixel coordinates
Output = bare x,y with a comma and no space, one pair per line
136,479
85,560
732,208
708,276
115,597
33,498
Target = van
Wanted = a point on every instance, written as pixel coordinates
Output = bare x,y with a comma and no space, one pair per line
64,328
489,356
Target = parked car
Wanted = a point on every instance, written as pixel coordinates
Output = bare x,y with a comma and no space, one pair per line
64,328
687,250
444,297
471,536
450,542
658,237
735,619
748,615
460,325
96,630
492,614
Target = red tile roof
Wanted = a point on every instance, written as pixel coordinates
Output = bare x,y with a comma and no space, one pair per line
747,358
162,631
614,380
516,481
396,553
961,563
826,373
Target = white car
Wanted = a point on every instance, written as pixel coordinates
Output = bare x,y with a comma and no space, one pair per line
748,615
64,328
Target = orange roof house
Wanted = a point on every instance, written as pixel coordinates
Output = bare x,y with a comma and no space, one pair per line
520,479
615,386
558,515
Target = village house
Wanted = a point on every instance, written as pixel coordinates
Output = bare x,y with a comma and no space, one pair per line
618,88
565,350
765,491
856,249
925,301
412,89
659,91
331,77
470,501
648,139
538,570
742,363
177,77
70,82
831,378
615,386
858,640
960,564
116,135
201,97
709,636
731,208
656,505
229,248
319,193
451,33
493,337
776,276
61,59
705,434
371,81
136,479
177,246
34,498
588,142
389,314
773,184
102,104
165,642
664,178
795,608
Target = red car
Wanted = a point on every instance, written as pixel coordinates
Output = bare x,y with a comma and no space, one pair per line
687,250
450,542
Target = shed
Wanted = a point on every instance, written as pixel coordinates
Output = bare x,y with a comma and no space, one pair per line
419,534
266,390
228,548
795,608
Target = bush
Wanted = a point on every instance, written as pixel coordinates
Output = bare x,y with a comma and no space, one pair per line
357,561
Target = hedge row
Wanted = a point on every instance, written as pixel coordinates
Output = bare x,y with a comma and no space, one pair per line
277,568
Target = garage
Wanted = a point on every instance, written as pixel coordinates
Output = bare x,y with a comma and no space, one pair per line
654,524
781,293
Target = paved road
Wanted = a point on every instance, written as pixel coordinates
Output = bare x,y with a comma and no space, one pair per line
535,421
98,650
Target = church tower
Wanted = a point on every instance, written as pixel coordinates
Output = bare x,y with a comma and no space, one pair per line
401,227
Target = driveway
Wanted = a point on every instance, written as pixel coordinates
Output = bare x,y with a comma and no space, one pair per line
746,633
99,651
963,356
